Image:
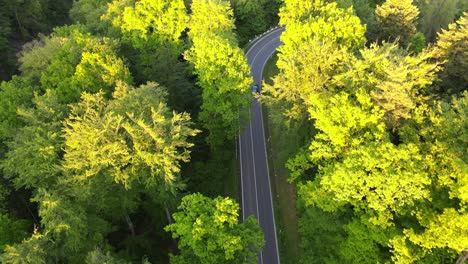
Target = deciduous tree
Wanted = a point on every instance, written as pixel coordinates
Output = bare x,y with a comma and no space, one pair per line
209,232
451,49
222,69
397,20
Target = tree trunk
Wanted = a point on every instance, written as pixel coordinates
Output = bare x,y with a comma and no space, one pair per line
463,256
130,224
168,214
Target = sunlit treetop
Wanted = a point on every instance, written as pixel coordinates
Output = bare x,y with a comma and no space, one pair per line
163,20
211,16
397,19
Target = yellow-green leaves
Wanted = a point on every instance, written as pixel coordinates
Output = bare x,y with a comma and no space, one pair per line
222,69
212,17
34,152
130,144
317,44
83,64
209,232
451,50
32,250
163,20
386,162
395,81
397,19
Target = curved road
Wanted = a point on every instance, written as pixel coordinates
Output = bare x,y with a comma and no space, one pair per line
255,179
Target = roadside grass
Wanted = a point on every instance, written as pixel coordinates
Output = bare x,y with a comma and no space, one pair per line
282,143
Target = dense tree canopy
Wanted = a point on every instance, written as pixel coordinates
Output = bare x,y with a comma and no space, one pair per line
372,181
117,128
22,20
317,40
97,161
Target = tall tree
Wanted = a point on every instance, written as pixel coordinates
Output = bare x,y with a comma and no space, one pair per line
209,232
317,40
435,16
221,67
84,64
397,20
140,140
452,51
397,82
373,182
89,171
152,36
34,152
32,250
16,93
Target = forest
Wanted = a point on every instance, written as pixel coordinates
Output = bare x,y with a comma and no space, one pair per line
118,121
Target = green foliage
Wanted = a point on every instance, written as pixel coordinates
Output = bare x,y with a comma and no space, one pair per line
214,17
14,94
397,20
398,192
317,44
222,69
84,64
35,151
162,20
12,230
89,12
21,20
339,120
395,81
139,139
37,55
254,17
209,232
32,250
387,168
64,220
366,12
151,32
436,15
224,75
451,50
81,169
98,257
417,43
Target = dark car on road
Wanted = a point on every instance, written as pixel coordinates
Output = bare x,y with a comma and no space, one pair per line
255,88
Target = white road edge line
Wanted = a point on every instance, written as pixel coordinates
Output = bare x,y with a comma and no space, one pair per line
255,179
240,153
268,169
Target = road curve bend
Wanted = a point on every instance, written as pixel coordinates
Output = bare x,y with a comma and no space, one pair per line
257,198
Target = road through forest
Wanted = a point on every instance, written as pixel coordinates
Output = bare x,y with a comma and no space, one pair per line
257,198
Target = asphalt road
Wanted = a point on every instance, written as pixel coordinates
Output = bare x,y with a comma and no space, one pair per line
256,187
